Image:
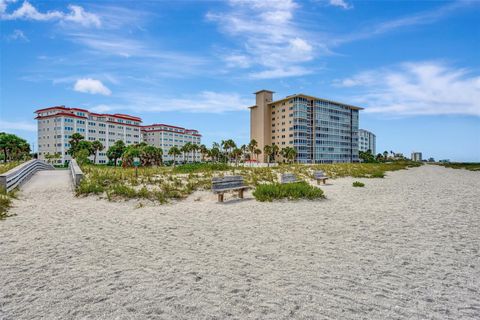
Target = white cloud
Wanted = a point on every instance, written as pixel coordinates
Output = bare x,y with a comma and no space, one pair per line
17,35
92,86
267,37
4,3
20,126
80,16
203,102
422,88
340,3
28,12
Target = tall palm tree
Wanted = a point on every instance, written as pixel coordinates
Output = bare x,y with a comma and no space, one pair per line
236,153
96,146
252,146
194,148
275,150
203,151
257,152
186,148
288,153
268,153
174,151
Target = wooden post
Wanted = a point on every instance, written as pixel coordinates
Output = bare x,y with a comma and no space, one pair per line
318,181
220,197
240,193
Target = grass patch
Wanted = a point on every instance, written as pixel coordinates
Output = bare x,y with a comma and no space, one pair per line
290,191
201,167
462,165
358,184
4,167
5,202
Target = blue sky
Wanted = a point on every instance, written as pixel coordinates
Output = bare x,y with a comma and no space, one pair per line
413,65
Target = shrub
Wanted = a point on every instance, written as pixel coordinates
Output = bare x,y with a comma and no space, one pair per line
291,191
377,175
358,184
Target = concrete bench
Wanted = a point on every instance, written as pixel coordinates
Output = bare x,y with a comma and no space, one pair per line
220,185
320,176
288,178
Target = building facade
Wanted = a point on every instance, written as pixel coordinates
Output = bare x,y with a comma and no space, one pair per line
57,124
320,130
367,141
416,156
165,136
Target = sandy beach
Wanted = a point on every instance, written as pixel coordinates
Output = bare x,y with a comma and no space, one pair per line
403,247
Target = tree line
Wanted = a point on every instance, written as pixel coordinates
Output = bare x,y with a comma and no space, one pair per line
225,151
13,147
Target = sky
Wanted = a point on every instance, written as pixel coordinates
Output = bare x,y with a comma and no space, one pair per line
413,65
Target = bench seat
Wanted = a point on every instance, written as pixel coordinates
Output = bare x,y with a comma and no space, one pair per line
220,185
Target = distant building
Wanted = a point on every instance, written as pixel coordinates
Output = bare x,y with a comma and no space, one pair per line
416,156
444,161
165,136
57,124
431,159
320,130
367,141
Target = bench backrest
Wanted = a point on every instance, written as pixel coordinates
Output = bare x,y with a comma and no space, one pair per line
288,177
228,182
319,175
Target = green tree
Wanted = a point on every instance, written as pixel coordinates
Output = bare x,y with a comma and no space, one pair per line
13,147
236,154
203,151
116,151
97,147
267,150
289,154
74,141
252,146
186,148
275,150
174,152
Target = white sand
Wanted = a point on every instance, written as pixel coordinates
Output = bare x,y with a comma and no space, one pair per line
403,247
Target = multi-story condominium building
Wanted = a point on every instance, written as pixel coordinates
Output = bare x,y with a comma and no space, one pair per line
57,124
320,130
367,141
416,156
166,136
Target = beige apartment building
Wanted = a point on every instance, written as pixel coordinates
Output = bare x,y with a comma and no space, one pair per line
320,130
166,136
57,124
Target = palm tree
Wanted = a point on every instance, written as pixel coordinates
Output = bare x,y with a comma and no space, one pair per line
275,150
288,153
185,149
257,152
174,151
194,148
203,151
236,153
97,146
244,150
252,146
214,153
268,152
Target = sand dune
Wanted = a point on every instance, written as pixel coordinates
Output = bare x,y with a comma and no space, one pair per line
403,247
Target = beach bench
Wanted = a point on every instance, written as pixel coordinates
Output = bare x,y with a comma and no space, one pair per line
320,176
220,185
288,178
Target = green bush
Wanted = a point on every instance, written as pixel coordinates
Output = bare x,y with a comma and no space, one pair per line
291,191
358,184
377,175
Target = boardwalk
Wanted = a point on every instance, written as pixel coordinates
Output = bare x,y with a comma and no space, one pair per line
403,247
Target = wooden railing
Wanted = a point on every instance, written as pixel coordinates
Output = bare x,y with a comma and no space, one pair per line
75,172
22,173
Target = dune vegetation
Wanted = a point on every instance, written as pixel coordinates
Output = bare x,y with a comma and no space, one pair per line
462,165
160,183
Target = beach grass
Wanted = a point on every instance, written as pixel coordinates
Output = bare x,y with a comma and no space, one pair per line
291,191
462,165
168,183
358,184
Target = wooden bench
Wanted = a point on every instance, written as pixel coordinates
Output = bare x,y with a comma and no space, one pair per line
288,178
320,176
220,185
